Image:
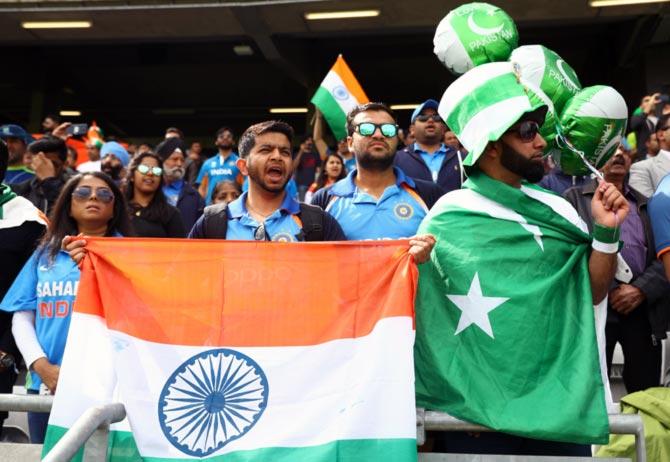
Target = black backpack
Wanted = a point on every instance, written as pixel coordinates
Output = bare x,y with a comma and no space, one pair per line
216,222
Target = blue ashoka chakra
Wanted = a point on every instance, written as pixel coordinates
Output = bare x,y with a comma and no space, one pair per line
341,93
403,211
213,398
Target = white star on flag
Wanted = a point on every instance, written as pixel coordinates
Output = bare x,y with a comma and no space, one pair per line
475,307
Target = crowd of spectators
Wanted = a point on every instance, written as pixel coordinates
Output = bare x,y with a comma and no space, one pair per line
377,183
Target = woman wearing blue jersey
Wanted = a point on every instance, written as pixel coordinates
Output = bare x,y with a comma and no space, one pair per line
43,293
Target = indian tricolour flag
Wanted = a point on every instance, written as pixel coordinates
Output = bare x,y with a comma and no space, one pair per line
243,351
338,94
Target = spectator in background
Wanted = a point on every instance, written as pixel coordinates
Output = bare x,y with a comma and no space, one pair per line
50,123
324,150
220,167
43,294
332,172
428,158
643,121
559,182
152,216
49,156
71,162
652,147
451,140
178,192
639,298
142,148
647,174
659,213
194,161
376,200
21,225
93,147
115,160
17,140
174,132
306,164
225,192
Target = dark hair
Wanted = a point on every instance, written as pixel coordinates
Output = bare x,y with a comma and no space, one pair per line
364,108
158,209
305,137
62,224
248,138
323,177
4,159
49,143
53,117
223,183
662,122
225,129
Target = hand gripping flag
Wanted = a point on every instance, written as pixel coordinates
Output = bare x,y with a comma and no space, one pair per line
241,351
338,94
505,320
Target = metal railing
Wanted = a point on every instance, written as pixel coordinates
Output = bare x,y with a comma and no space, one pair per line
91,429
620,424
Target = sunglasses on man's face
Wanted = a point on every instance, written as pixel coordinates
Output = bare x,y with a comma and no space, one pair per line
368,129
526,131
427,117
145,169
84,193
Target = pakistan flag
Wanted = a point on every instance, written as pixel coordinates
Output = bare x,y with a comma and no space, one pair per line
505,320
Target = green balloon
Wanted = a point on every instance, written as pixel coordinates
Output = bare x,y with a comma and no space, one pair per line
474,34
593,122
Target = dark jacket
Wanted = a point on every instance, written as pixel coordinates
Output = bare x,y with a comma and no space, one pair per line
42,193
191,204
652,282
449,176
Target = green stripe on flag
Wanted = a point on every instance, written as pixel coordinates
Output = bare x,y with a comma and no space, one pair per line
332,112
123,449
490,92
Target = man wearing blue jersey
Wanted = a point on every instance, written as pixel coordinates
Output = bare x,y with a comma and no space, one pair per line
221,167
659,214
376,200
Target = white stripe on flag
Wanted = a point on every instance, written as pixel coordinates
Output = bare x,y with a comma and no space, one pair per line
317,394
336,87
558,205
472,200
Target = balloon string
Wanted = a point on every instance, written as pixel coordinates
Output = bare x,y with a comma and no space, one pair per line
563,141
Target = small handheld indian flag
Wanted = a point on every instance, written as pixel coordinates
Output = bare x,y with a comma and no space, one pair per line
243,352
338,94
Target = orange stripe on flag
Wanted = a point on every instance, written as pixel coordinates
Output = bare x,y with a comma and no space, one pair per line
342,69
218,293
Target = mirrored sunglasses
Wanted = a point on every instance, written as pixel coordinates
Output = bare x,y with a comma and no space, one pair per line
83,193
368,129
145,169
526,130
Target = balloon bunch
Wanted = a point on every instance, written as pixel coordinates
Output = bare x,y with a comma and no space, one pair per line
583,126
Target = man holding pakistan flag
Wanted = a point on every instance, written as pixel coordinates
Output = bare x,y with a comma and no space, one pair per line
505,309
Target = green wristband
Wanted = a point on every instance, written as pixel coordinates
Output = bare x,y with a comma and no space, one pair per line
605,234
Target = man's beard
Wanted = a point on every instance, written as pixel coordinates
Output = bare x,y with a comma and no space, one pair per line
15,158
257,177
531,171
174,174
225,146
369,161
114,171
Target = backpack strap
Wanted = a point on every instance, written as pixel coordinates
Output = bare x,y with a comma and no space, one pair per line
312,223
216,221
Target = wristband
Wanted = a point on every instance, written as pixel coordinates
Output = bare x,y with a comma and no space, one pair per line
605,234
605,247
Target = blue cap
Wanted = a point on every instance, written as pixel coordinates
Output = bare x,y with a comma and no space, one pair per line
112,147
428,104
15,131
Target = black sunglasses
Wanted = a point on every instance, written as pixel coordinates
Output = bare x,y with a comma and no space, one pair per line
84,193
427,117
526,130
